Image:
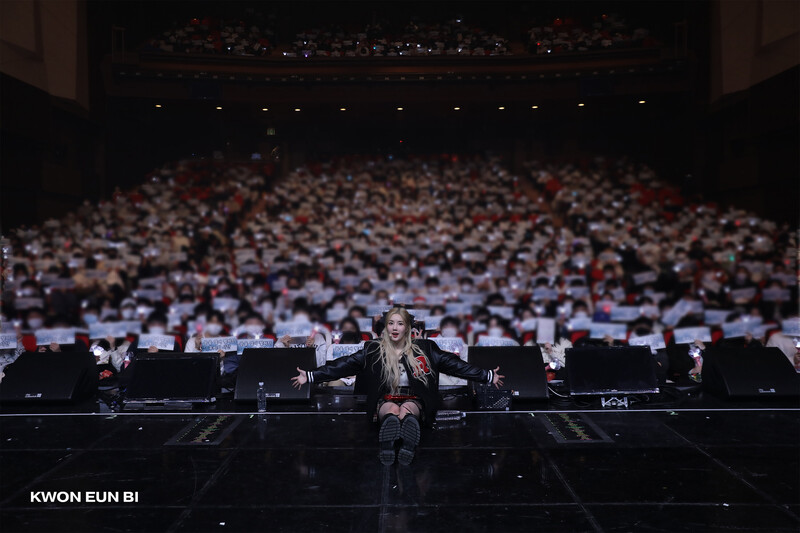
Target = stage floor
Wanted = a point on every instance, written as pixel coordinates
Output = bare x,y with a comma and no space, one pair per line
706,466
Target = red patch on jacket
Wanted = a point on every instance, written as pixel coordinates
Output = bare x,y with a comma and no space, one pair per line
423,364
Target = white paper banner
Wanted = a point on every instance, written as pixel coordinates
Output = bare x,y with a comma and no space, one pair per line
477,327
44,337
645,277
243,344
341,350
776,295
625,313
732,330
546,331
450,344
101,330
598,330
335,315
496,341
365,324
419,314
215,344
182,309
226,304
363,299
458,309
577,292
544,294
377,310
8,341
791,327
654,341
743,294
432,322
688,335
162,342
502,311
580,324
28,303
133,327
715,317
293,329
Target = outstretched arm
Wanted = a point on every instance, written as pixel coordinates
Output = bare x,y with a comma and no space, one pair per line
300,379
339,368
453,365
497,379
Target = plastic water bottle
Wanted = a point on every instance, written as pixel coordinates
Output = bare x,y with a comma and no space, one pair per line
261,396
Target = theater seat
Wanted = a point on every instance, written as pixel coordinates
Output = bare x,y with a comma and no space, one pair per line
577,335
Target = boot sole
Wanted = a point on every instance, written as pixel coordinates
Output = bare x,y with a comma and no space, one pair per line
388,434
410,433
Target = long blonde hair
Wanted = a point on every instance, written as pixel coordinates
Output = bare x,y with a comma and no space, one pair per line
389,355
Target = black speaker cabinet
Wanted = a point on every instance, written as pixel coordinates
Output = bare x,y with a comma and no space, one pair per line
522,366
275,367
611,370
749,373
50,377
171,379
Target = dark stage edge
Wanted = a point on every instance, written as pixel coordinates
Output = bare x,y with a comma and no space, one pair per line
710,465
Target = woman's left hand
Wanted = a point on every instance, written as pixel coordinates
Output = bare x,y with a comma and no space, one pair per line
497,380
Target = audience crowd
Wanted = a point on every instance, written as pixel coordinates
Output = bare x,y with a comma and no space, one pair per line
205,252
452,37
254,35
568,35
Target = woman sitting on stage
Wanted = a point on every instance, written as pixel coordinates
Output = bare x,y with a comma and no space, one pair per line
402,381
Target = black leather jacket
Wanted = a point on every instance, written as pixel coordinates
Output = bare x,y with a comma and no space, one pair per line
366,363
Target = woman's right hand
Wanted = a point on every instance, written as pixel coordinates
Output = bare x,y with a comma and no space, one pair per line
286,340
300,379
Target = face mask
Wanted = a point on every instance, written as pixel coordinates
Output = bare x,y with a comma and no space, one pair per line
28,292
90,318
741,278
495,332
466,288
214,329
609,275
338,305
580,314
35,323
449,332
433,290
156,330
254,329
301,317
127,314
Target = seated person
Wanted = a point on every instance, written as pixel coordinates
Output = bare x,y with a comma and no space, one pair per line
8,356
59,322
156,325
213,328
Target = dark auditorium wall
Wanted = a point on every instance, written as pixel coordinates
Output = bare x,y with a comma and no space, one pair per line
51,155
753,141
753,117
51,150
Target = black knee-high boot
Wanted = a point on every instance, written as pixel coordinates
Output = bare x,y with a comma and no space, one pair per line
388,434
410,433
